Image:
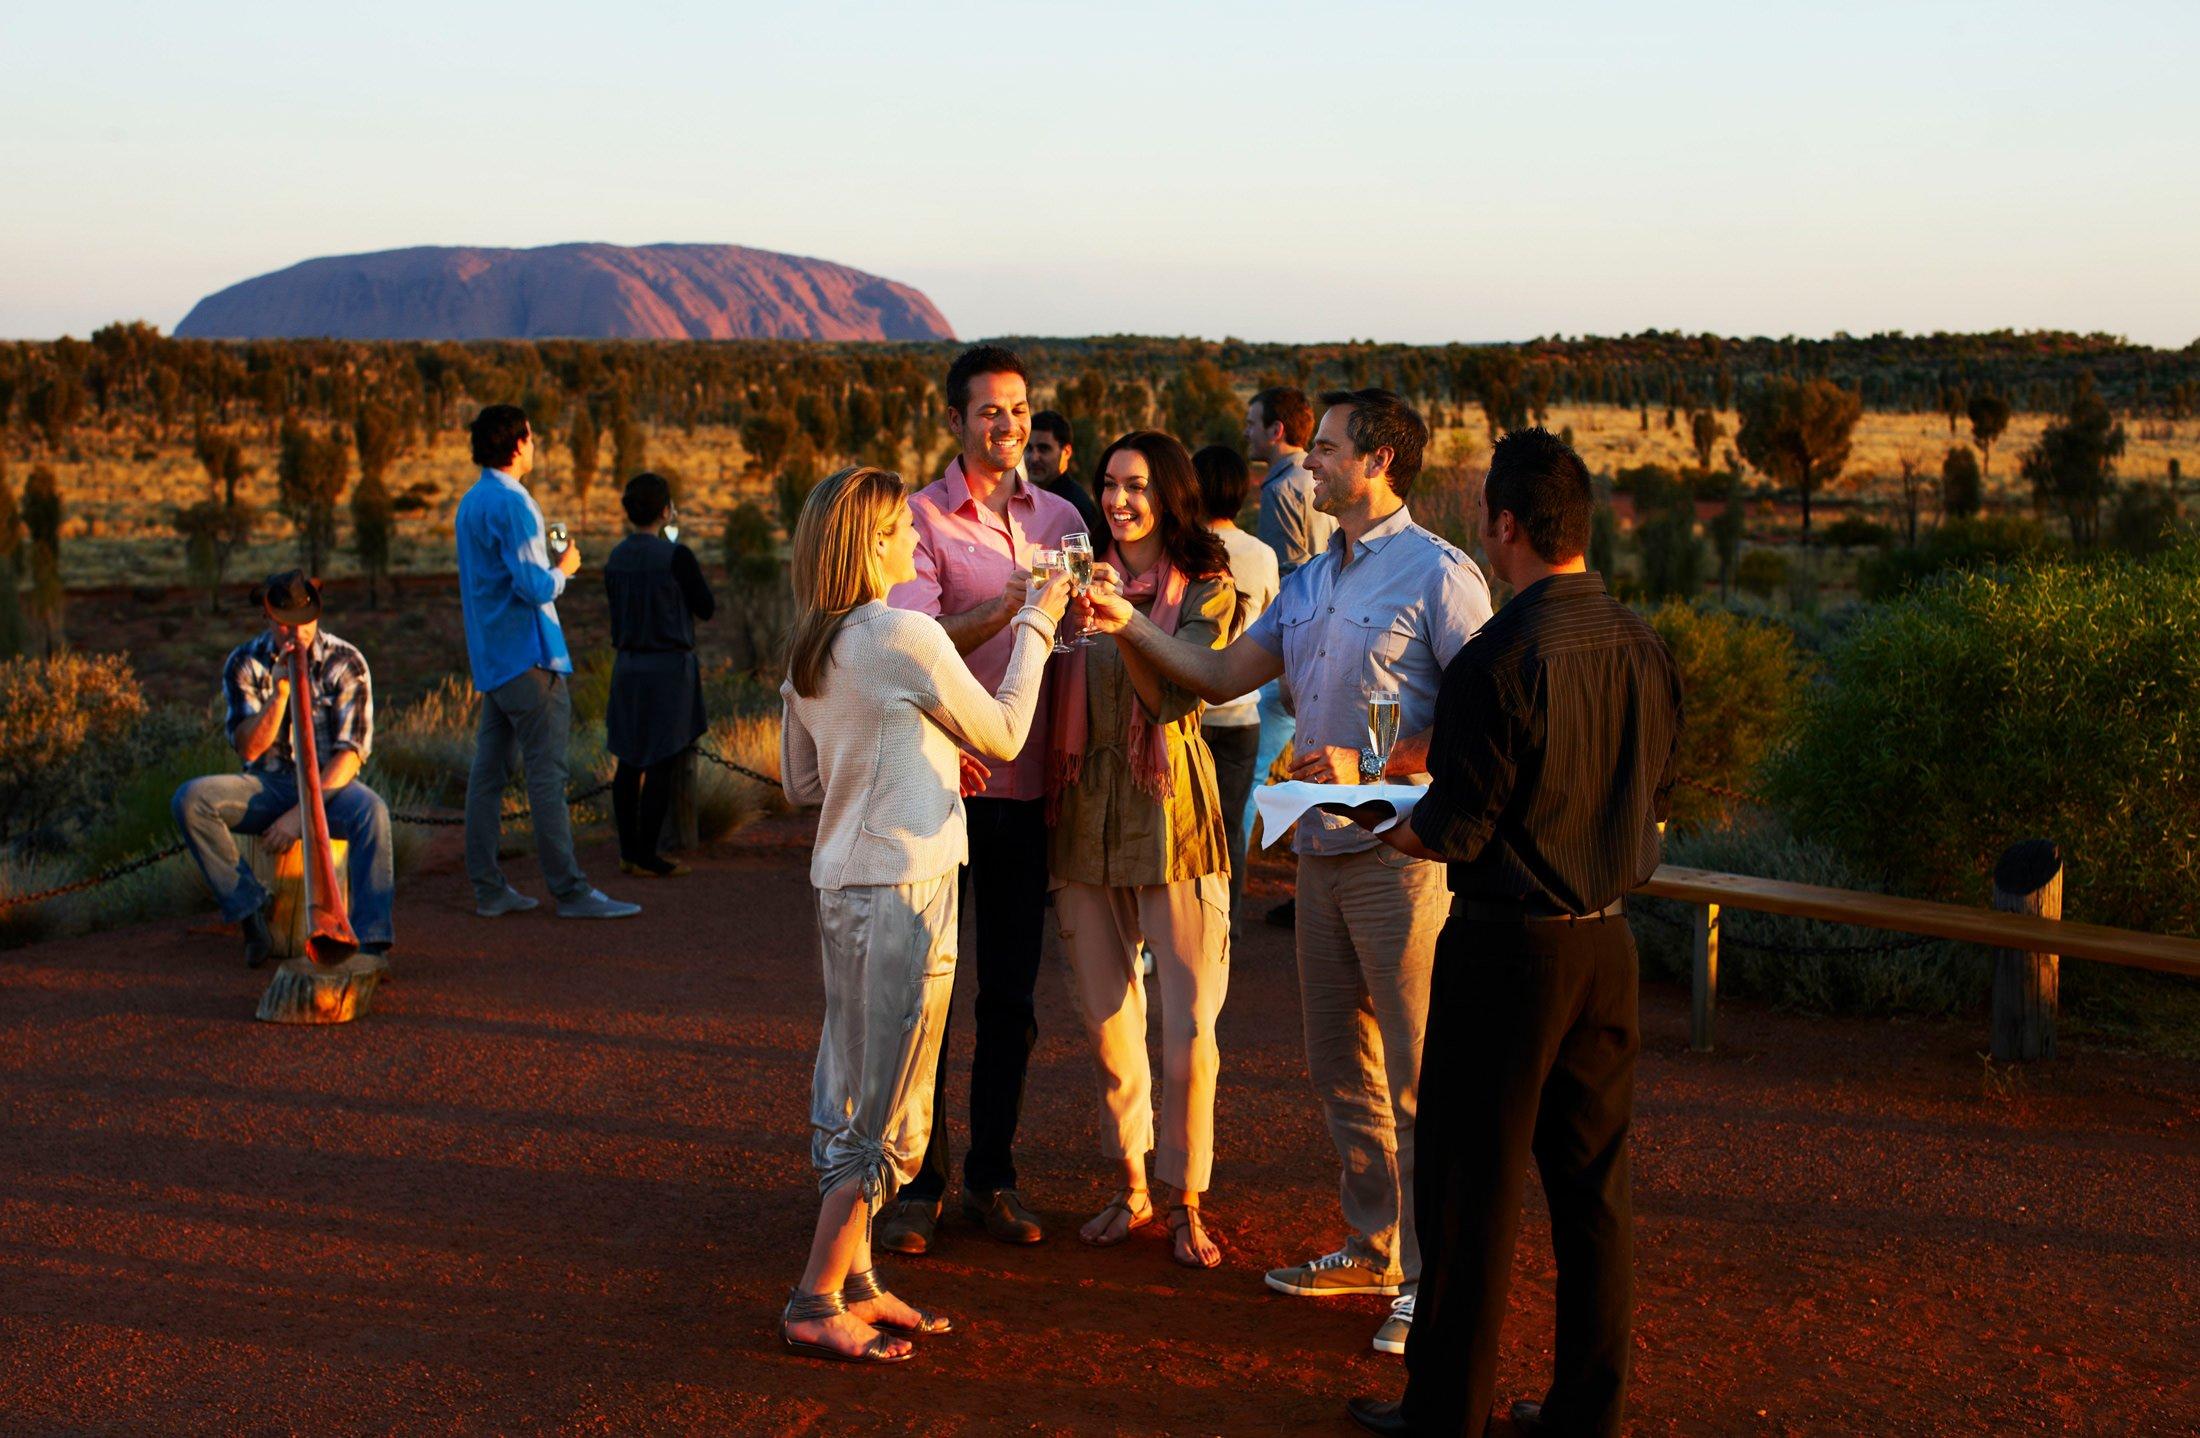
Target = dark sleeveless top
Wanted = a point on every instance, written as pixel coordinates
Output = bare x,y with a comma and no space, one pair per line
657,592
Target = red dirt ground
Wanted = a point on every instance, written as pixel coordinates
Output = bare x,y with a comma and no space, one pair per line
557,1182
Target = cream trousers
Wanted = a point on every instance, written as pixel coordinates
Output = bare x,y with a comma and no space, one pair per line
1188,926
888,952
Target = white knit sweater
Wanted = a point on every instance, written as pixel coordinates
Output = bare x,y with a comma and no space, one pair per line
876,745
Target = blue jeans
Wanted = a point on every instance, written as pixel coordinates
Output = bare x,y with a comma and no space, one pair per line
1276,728
212,811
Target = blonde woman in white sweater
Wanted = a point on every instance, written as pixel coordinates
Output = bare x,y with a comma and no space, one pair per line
877,702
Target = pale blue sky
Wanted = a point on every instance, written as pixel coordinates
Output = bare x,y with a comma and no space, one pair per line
1273,171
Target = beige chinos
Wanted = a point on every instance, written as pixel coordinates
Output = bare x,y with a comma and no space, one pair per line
1187,925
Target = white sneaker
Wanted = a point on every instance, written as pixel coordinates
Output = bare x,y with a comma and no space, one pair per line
511,901
1391,1337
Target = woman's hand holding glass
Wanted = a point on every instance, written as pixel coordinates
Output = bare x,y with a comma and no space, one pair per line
1102,608
1048,590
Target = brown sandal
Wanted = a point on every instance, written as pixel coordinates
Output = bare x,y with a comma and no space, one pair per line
1186,1216
1135,1218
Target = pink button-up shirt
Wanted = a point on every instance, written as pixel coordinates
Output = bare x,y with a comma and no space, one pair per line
964,554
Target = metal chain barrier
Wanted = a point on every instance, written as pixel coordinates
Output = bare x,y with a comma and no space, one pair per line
742,769
105,876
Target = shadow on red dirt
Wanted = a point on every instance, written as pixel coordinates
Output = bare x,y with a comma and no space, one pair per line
558,1182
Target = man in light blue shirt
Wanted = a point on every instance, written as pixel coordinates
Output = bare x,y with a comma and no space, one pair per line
508,586
1382,608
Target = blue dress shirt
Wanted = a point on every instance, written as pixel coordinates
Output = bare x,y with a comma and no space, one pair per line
507,584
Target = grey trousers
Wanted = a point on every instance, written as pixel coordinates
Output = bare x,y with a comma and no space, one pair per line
888,955
1367,927
525,722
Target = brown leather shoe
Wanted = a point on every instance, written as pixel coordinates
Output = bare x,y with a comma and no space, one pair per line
1002,1214
908,1228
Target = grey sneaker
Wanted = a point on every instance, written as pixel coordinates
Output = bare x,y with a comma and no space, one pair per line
1391,1337
511,901
595,904
1334,1274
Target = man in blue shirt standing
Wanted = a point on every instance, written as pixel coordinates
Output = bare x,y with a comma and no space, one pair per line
509,587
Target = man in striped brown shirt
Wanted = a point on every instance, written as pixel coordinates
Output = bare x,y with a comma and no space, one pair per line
1551,762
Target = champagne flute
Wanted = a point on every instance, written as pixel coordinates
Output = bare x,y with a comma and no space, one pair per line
1382,734
1045,564
672,523
1077,557
559,539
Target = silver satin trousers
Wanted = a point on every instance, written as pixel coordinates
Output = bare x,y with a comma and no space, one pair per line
888,955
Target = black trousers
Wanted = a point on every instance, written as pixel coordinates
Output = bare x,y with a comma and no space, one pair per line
1529,1050
1235,747
639,798
1006,884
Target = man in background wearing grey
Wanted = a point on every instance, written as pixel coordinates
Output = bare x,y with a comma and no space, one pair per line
508,587
1279,423
1384,607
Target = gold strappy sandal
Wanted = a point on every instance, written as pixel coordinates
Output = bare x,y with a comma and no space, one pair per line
1135,1218
864,1287
809,1308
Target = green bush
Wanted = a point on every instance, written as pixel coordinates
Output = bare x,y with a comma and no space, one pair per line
62,718
428,746
1854,531
1989,541
1762,572
1932,978
2055,701
1739,687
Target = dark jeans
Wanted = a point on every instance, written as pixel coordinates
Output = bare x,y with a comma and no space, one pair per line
639,798
1530,1049
1235,746
1008,890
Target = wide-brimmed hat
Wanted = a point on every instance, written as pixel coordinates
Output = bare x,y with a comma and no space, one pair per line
290,597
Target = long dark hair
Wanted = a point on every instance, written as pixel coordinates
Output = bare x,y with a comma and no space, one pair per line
1173,488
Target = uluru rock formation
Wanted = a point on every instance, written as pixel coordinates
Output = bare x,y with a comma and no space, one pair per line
581,291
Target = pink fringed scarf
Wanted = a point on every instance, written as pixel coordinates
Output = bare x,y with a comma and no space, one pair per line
1146,746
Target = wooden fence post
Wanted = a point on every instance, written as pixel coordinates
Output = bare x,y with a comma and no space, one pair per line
1703,993
2027,880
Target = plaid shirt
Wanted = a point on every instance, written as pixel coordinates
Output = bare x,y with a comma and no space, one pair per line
342,693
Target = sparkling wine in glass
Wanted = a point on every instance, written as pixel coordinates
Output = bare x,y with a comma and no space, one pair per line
559,539
1045,564
1382,734
1077,557
672,525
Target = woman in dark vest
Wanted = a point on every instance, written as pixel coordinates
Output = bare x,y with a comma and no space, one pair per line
657,592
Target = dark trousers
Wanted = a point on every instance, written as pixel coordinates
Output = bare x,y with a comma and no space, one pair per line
1008,890
639,798
1234,747
1529,1049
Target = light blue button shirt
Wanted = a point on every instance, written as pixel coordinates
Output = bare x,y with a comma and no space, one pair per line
1391,620
1289,523
506,584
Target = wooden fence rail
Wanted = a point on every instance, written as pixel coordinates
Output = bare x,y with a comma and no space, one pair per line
2030,941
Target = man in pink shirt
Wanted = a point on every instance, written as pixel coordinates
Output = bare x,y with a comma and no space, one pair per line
977,527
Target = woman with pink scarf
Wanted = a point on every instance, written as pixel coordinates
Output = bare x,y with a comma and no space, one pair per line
1138,851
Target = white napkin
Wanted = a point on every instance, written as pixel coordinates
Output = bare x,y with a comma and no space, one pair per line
1281,805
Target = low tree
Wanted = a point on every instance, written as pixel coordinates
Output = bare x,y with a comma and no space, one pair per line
42,523
582,440
11,569
1665,536
1728,528
1798,433
629,444
765,437
1704,431
2073,467
2176,475
310,475
1960,487
1910,484
1953,404
1989,418
373,525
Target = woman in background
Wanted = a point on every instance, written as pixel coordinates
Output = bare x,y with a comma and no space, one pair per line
1232,730
877,700
655,713
1138,852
